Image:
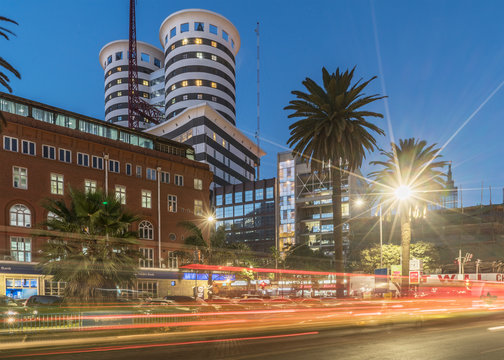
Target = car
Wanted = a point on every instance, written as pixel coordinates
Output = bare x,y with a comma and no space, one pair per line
43,300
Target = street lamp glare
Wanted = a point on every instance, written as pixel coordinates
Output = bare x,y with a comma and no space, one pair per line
210,218
359,202
403,192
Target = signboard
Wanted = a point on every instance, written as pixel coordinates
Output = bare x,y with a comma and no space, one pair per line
17,268
395,272
414,277
416,264
381,280
451,278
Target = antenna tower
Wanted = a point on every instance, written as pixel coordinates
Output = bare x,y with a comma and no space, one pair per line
257,134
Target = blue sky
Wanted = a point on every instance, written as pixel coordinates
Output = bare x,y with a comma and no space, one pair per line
441,61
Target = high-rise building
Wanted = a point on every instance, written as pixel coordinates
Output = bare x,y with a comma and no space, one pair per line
305,205
450,200
194,78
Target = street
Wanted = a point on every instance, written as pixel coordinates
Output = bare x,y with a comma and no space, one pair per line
453,339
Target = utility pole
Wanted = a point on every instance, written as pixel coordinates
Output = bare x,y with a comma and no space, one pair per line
257,134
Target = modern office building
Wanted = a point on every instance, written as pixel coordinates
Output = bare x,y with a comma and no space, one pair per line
247,212
45,150
194,78
305,205
450,200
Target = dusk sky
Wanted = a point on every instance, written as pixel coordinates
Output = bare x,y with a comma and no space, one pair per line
441,61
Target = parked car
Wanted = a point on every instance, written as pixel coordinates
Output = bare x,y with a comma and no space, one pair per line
44,303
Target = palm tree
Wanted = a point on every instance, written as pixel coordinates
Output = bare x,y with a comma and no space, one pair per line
333,131
4,79
414,165
91,247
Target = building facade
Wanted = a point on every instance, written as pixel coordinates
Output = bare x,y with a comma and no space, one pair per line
196,83
305,205
46,150
247,213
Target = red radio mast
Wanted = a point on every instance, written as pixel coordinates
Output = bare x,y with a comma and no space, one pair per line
138,109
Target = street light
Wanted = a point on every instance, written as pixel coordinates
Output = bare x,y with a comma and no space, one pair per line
403,192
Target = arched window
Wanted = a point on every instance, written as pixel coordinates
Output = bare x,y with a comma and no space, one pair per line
146,230
20,215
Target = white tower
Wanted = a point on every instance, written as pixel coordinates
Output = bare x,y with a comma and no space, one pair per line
199,48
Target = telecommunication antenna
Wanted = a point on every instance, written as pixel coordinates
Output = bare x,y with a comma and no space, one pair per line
257,134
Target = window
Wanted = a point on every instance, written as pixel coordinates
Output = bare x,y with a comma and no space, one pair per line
49,152
65,155
145,82
199,26
118,55
214,85
20,248
89,186
119,81
214,57
138,171
19,177
56,184
184,27
120,193
238,197
184,97
200,96
10,143
218,200
114,166
128,169
225,35
198,207
146,230
184,83
213,29
173,46
259,194
228,211
229,198
232,44
20,215
224,145
238,210
172,260
214,44
28,147
184,42
214,137
157,62
173,32
147,258
109,59
165,177
145,57
148,288
172,203
198,184
219,213
249,195
199,82
198,41
151,174
173,87
146,199
269,193
214,98
179,180
82,159
97,162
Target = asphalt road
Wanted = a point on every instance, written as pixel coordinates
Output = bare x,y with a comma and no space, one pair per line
462,339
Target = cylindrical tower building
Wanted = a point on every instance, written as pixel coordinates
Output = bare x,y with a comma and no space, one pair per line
199,48
114,60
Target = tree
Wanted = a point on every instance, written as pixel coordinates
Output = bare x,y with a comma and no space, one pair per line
414,165
4,79
90,246
333,130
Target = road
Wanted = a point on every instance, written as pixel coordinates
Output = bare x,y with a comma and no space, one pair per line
451,339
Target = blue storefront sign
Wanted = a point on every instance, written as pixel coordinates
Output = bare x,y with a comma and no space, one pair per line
215,277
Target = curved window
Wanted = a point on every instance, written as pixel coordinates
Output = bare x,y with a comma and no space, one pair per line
20,215
202,55
199,41
146,230
184,27
208,97
198,82
200,69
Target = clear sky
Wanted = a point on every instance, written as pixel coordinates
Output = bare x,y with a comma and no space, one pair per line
440,61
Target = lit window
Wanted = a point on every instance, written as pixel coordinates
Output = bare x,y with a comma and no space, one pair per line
145,82
198,207
119,68
184,27
120,194
119,93
147,257
20,215
19,177
57,184
89,186
184,97
118,55
185,41
172,203
145,57
199,55
223,142
146,199
225,35
173,101
145,95
184,83
200,96
214,137
28,147
213,29
198,41
214,98
214,85
179,180
10,143
173,87
173,32
146,230
214,44
214,57
119,81
198,184
20,248
173,46
199,26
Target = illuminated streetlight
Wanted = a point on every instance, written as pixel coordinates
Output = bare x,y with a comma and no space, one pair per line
359,202
210,219
403,192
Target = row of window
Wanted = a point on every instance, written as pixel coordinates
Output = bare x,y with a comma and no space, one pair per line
197,41
200,69
143,57
202,55
198,82
119,93
249,196
245,210
208,97
199,26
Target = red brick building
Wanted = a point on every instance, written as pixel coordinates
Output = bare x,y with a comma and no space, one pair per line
46,150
